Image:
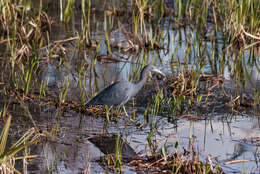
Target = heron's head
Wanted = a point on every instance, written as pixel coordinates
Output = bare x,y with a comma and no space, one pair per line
152,68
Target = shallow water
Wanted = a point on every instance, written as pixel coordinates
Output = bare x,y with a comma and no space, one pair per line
223,137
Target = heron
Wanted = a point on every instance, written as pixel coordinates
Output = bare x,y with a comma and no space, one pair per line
120,92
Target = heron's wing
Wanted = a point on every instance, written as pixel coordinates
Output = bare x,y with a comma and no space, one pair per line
116,94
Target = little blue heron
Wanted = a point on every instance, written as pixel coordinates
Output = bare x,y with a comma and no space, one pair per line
118,93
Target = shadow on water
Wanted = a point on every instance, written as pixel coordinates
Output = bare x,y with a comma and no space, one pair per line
75,142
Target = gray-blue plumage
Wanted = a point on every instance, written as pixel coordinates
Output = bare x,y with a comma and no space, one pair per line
118,93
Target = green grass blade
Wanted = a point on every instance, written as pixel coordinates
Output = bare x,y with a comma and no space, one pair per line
4,135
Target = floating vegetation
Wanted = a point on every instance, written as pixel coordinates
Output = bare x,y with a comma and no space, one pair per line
174,163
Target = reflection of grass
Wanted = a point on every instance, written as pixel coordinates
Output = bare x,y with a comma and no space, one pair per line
8,154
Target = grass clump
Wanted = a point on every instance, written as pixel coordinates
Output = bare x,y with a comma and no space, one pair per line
9,155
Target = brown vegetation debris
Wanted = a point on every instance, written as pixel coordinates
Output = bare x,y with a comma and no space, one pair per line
191,117
115,12
174,163
94,110
184,83
107,59
236,161
134,43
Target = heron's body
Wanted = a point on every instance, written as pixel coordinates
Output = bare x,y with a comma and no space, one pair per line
118,93
109,97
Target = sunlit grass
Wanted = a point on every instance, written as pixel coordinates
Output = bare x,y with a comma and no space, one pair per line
8,154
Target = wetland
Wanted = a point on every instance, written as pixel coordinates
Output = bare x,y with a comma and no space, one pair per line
203,117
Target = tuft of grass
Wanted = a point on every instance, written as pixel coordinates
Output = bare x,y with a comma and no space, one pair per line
8,155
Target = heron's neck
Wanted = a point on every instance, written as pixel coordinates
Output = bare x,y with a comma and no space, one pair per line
142,80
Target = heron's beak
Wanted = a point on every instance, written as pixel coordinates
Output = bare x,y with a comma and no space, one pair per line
159,72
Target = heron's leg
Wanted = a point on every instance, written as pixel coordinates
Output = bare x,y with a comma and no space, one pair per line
110,108
125,111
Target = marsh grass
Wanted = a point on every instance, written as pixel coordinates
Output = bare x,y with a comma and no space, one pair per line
238,23
145,35
9,154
